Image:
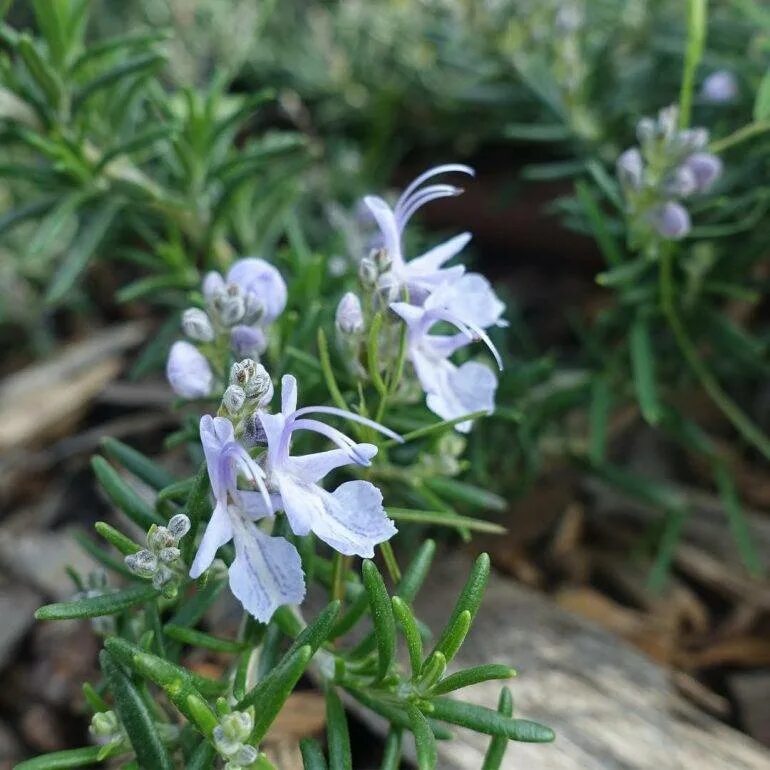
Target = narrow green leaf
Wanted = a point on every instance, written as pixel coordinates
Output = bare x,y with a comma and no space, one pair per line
436,427
466,493
200,639
643,365
493,759
95,701
271,693
197,508
471,676
391,757
696,39
81,250
411,632
124,498
202,758
433,668
61,760
425,741
312,756
179,490
317,632
337,733
415,574
468,601
737,519
762,100
40,70
597,221
194,608
382,617
373,354
123,543
598,420
454,635
136,718
139,464
445,519
134,66
96,606
489,722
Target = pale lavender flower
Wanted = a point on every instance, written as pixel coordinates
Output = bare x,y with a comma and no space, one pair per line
671,220
351,519
452,391
720,87
705,168
248,341
422,274
630,168
267,571
349,317
188,372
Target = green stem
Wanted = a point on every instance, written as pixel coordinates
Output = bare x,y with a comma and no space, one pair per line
339,568
696,38
729,408
390,561
741,135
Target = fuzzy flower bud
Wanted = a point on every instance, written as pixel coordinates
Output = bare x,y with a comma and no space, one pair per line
253,431
254,379
248,341
196,325
160,562
230,737
188,372
630,168
720,87
233,399
349,317
143,563
230,305
105,728
671,220
368,273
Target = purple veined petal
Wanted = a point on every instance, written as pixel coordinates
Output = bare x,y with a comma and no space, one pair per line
353,519
215,434
445,168
301,503
466,389
434,258
253,504
288,394
218,532
410,314
421,198
313,467
266,572
276,435
352,416
386,221
188,372
345,443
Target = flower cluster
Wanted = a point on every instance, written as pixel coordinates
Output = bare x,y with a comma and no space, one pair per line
161,561
230,738
237,312
425,293
668,167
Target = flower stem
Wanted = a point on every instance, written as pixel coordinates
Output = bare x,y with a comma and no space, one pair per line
696,38
390,561
741,422
741,135
340,566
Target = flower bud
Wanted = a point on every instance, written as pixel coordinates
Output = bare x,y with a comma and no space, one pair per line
368,272
213,284
233,399
105,727
178,526
143,563
170,555
680,183
668,121
646,130
705,169
382,259
248,341
671,220
720,87
254,308
630,168
349,317
242,371
230,305
196,325
188,372
159,537
253,431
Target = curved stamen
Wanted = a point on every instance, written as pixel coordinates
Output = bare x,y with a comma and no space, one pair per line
419,199
342,441
435,171
352,416
255,473
466,327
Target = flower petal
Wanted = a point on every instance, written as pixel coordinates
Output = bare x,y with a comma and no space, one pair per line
288,394
313,467
469,388
259,277
215,433
433,259
218,532
188,372
253,504
386,221
266,572
353,519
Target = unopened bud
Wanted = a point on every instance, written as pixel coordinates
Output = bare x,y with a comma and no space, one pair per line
170,554
143,563
382,259
349,316
705,168
233,399
254,379
105,725
680,183
248,341
230,305
646,130
196,325
159,537
630,168
178,526
254,308
368,272
720,87
671,220
213,284
253,431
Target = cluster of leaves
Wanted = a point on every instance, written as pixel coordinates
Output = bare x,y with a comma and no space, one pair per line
168,712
